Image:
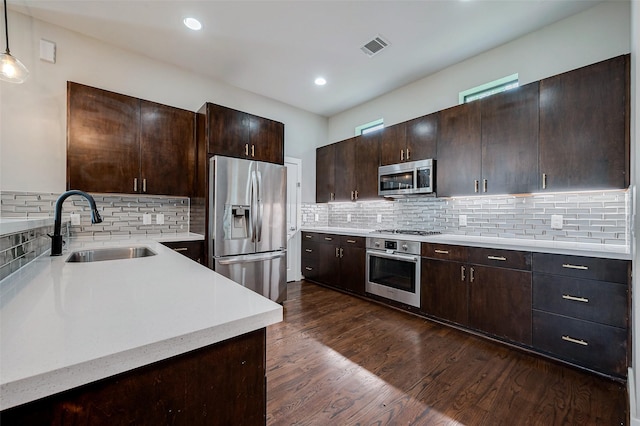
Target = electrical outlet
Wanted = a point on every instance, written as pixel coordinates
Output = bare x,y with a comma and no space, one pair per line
379,218
304,217
556,221
146,219
348,217
160,218
317,217
75,219
462,220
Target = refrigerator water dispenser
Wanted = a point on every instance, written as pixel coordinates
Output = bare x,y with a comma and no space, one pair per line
237,222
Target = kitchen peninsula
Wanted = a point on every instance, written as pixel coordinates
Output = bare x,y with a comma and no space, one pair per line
158,338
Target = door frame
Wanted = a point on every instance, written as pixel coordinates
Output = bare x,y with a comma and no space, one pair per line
293,242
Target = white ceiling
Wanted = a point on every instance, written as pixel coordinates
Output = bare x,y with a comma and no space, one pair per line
278,48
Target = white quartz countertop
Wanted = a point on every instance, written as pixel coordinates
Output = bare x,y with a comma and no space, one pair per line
11,225
607,251
67,324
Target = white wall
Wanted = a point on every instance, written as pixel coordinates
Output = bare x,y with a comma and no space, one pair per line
598,33
33,114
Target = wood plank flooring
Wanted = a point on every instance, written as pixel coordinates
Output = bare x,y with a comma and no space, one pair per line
341,360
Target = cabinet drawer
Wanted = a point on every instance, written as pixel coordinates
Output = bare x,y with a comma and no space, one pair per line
309,269
444,252
194,250
309,250
590,300
501,258
348,241
311,236
593,268
599,347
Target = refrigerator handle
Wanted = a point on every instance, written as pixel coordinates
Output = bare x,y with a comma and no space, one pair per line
254,206
259,208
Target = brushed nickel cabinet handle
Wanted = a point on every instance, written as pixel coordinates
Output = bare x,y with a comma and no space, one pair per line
575,299
351,241
475,185
253,150
484,185
337,252
308,236
308,250
308,268
501,258
144,185
356,191
402,155
340,252
570,266
352,196
471,278
576,341
442,252
328,238
135,184
332,196
408,154
180,249
544,181
462,276
246,149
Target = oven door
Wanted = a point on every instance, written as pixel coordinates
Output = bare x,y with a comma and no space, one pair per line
394,276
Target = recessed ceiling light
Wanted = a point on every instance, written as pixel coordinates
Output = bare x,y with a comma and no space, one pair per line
320,81
192,24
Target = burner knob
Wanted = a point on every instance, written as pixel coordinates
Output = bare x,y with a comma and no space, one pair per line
405,247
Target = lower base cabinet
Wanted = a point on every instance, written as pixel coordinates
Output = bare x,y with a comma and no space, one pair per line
224,383
194,250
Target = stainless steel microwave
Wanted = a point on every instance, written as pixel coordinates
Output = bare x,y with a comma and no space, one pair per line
407,179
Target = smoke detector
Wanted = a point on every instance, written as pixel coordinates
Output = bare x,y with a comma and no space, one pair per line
375,46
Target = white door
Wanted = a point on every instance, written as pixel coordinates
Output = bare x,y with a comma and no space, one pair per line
294,178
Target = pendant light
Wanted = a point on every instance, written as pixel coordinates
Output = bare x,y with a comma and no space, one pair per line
11,69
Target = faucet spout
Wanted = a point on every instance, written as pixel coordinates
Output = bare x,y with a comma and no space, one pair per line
56,238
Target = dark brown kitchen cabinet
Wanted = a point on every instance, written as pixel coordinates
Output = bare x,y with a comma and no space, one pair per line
581,310
510,141
345,170
459,151
409,141
584,127
194,250
444,292
234,133
325,173
334,260
120,144
367,162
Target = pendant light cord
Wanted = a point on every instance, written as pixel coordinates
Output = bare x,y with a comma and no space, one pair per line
6,26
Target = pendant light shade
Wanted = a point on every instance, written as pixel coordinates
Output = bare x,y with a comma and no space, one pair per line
11,69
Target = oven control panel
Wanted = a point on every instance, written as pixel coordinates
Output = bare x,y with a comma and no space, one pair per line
392,245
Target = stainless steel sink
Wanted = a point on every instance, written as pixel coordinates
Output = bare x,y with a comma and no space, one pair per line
111,253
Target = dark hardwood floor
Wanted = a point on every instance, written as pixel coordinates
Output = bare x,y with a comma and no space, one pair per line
341,360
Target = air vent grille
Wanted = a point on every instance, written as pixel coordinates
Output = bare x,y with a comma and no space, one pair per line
375,46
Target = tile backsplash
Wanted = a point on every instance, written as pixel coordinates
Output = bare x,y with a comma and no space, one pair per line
601,217
121,214
20,248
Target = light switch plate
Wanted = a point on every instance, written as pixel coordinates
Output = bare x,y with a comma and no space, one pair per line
304,217
75,219
317,217
462,220
379,218
160,218
348,217
146,219
556,221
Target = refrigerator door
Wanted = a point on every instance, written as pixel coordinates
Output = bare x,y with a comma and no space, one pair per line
264,273
231,212
271,221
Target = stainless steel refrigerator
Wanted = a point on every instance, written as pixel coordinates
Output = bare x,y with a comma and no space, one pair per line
247,224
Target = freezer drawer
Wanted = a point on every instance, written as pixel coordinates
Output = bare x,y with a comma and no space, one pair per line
264,273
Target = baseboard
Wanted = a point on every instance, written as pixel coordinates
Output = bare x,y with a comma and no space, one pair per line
631,391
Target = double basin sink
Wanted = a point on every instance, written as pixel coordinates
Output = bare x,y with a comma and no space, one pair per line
110,253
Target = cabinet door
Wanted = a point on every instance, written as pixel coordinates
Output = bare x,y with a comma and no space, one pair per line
329,264
583,127
167,145
103,148
393,141
422,135
444,292
325,173
352,264
500,302
267,140
459,150
510,141
345,174
366,165
228,131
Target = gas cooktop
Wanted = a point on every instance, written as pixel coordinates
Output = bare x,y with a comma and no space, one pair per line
406,232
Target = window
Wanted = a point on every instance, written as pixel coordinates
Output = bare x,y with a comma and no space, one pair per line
489,89
370,127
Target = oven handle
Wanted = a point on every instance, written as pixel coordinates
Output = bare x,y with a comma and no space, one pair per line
377,253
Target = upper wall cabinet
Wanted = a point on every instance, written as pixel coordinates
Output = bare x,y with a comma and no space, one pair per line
409,141
510,141
121,144
325,173
584,127
239,134
458,167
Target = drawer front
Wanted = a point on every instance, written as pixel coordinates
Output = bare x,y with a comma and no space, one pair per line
309,250
348,241
191,249
512,259
599,301
612,270
311,236
309,269
444,252
595,346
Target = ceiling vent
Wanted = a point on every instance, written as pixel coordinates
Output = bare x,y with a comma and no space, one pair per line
375,46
